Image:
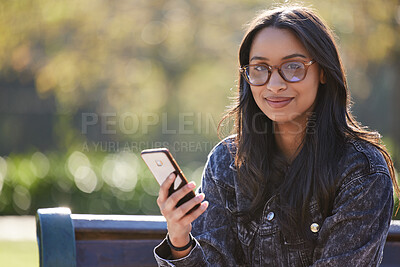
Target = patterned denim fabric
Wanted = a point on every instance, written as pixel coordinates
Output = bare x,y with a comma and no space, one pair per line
354,235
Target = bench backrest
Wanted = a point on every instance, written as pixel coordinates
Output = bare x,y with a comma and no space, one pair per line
66,239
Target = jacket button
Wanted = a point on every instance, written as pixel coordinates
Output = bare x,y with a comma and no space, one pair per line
314,227
270,216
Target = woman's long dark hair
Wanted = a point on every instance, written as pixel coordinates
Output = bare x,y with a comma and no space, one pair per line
313,171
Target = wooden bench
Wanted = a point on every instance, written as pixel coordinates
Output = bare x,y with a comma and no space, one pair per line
66,239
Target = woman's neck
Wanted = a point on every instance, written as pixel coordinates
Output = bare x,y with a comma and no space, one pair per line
289,137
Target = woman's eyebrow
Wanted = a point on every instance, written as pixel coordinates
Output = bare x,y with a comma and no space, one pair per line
294,55
284,58
259,58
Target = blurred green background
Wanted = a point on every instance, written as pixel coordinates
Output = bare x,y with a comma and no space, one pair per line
86,85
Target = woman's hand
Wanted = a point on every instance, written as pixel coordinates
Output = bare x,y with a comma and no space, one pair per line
179,223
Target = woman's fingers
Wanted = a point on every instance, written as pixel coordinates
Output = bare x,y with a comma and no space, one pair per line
188,205
168,203
178,215
177,195
189,218
171,202
181,211
163,193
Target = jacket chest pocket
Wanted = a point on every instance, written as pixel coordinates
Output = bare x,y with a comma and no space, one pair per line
268,250
245,231
298,251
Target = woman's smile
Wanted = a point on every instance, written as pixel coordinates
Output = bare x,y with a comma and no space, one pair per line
278,102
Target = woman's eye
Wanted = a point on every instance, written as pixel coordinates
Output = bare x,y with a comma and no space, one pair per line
260,68
293,66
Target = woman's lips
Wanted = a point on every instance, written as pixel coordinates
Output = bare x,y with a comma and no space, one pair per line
278,102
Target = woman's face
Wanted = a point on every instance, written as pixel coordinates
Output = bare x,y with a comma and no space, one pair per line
278,99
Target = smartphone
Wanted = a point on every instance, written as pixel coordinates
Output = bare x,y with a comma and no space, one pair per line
162,164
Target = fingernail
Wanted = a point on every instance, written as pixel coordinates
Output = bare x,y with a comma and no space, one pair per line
191,185
171,176
200,196
204,205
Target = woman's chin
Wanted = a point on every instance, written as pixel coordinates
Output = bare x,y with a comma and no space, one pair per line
279,118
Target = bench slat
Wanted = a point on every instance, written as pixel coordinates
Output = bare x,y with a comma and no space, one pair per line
115,253
391,255
89,227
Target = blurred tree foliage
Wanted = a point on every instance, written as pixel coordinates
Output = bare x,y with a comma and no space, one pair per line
86,85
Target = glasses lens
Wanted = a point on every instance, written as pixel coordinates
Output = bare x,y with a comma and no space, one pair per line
293,71
257,74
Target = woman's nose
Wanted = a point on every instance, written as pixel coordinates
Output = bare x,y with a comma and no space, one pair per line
276,83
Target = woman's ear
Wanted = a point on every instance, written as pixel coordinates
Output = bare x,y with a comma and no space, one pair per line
322,78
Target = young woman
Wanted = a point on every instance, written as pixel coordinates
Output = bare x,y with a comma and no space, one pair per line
301,182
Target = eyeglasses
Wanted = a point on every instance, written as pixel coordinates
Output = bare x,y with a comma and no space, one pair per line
290,71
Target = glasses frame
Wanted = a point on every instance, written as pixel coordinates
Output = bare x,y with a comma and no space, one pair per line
243,71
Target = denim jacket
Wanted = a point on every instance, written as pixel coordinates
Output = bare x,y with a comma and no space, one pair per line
353,235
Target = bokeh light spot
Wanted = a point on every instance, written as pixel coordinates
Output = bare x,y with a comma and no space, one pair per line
76,160
24,173
120,171
22,198
85,179
40,164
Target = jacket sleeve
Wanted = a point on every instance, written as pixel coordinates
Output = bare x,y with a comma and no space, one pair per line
216,244
355,233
